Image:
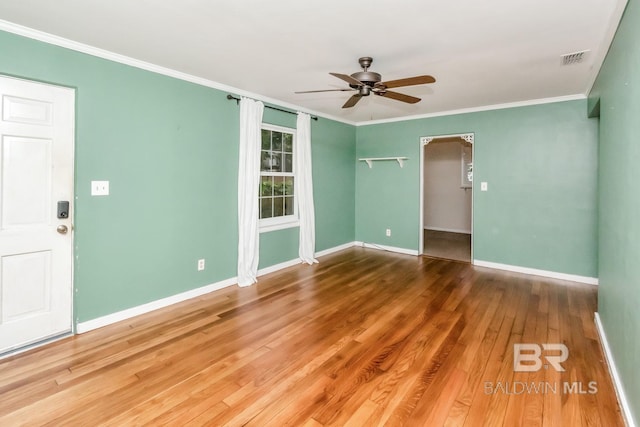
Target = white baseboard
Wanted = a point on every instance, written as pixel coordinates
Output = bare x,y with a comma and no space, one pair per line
615,375
448,230
99,322
292,262
335,249
536,272
276,267
387,248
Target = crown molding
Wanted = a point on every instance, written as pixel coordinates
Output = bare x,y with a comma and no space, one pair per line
112,56
477,109
31,33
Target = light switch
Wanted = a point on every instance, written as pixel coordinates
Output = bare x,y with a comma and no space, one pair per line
484,186
99,188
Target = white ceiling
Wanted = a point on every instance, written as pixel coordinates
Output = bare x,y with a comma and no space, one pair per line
480,52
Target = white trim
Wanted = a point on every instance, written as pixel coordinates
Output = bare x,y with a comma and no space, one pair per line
424,141
615,375
90,325
387,248
536,272
526,103
468,137
276,267
286,264
421,199
31,33
448,230
20,30
99,322
281,225
266,225
335,249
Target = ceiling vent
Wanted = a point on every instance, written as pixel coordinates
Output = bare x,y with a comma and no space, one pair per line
573,58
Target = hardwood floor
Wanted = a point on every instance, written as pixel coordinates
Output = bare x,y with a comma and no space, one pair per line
364,338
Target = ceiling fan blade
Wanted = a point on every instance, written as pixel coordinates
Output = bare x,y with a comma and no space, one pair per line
347,78
399,96
352,101
326,90
409,81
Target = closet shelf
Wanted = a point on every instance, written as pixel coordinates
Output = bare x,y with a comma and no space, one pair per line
370,160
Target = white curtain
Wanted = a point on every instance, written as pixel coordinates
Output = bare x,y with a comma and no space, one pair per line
304,189
248,185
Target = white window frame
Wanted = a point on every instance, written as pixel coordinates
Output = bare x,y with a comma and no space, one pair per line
287,221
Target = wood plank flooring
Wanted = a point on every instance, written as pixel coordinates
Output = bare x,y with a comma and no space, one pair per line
364,338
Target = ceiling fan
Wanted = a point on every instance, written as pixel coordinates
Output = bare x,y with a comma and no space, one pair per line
366,82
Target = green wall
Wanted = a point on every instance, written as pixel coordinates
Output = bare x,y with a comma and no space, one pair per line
540,163
618,89
169,149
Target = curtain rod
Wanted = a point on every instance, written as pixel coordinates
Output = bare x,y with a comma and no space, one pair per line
230,97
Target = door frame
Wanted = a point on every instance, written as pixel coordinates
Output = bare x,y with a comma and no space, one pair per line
72,208
424,141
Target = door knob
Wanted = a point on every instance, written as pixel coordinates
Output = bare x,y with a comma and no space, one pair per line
62,229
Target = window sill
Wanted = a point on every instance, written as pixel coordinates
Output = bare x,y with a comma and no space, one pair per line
279,226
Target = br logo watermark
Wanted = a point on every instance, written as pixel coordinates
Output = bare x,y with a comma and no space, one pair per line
532,355
533,358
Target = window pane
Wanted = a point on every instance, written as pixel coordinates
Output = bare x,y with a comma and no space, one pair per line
270,161
288,185
265,161
278,185
288,205
288,162
266,207
266,185
276,139
276,161
266,139
287,142
278,206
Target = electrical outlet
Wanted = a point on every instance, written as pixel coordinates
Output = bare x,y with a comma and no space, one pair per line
484,186
99,188
200,264
388,233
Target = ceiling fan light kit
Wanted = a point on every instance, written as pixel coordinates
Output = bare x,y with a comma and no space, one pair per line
366,82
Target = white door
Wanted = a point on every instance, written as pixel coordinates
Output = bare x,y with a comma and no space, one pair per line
36,171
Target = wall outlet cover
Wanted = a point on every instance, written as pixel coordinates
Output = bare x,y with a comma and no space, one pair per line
99,188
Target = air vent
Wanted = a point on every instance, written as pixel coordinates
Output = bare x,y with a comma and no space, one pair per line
573,58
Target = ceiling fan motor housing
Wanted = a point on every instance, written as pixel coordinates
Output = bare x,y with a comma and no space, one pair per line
369,78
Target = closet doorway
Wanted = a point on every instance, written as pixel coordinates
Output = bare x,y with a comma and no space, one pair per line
446,193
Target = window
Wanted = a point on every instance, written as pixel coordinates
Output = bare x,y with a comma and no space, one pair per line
276,193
